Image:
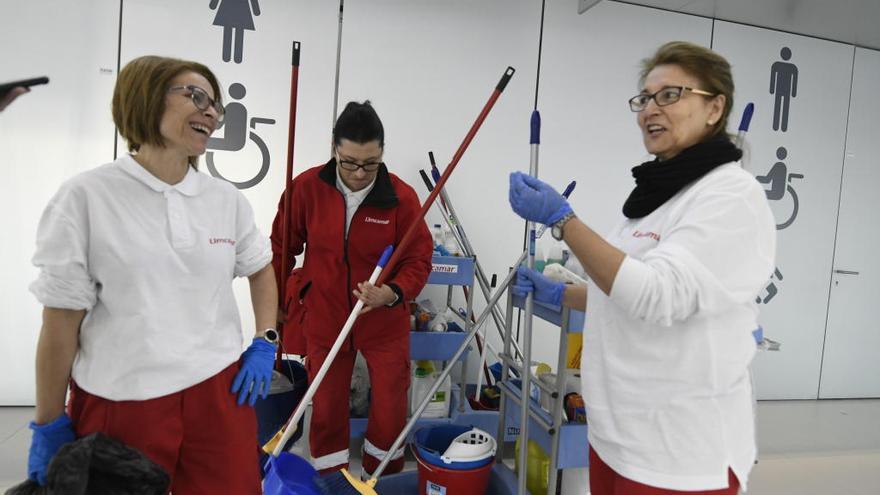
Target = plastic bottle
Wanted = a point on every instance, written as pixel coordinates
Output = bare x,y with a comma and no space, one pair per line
450,243
537,371
438,323
537,467
423,379
554,254
437,234
539,259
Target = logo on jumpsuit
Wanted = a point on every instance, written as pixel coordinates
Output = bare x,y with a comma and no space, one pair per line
376,220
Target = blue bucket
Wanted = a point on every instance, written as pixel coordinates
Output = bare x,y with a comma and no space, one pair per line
274,411
289,474
432,441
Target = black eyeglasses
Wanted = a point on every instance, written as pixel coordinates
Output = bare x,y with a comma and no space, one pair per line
666,96
352,166
201,100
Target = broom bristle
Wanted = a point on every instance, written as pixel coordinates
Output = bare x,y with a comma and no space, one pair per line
343,483
269,447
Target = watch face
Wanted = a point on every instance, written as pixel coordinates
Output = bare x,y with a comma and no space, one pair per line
556,232
271,335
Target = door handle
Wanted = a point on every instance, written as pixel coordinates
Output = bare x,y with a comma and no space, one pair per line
846,272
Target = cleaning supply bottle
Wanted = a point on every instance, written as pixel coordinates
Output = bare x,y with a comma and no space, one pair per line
423,378
537,371
537,466
539,259
437,234
554,254
450,243
438,323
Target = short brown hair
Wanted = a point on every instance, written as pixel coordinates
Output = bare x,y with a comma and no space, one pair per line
139,97
712,70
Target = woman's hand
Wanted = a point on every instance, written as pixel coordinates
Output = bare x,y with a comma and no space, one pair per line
536,201
45,442
546,290
374,297
255,376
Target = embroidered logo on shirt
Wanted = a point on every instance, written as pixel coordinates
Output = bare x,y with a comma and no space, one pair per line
652,235
376,220
221,240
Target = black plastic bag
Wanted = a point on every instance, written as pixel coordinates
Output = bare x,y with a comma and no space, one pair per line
99,465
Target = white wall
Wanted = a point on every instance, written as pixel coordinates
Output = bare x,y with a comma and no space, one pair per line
46,137
814,141
850,367
428,67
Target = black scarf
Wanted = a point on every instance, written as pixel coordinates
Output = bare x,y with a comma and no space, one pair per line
657,181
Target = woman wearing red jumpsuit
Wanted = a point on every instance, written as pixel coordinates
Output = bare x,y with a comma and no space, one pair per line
343,214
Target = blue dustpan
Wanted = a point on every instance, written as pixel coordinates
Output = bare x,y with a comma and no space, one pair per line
289,474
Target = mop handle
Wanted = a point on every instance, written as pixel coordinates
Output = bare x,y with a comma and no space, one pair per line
534,144
458,231
404,243
443,374
565,194
288,178
290,426
744,124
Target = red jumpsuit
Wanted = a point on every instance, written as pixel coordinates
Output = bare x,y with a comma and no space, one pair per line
320,299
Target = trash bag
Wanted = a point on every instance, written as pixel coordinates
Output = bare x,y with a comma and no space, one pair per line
97,465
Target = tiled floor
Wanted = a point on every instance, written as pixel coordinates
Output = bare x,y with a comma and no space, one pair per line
806,448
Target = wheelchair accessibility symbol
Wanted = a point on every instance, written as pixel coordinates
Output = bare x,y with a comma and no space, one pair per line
780,182
235,131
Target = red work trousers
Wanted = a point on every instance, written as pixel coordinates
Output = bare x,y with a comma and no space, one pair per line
605,481
203,439
389,369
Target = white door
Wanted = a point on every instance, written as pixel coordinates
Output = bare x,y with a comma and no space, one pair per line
851,359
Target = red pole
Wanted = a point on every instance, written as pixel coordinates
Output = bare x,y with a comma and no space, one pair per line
288,178
400,248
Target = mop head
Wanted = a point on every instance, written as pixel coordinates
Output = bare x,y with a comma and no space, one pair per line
343,483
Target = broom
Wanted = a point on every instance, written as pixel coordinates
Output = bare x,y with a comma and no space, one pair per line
342,482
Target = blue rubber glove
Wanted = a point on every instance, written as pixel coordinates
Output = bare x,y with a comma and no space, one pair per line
535,200
546,290
255,375
45,442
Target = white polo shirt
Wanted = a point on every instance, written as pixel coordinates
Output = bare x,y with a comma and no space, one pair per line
153,265
666,357
353,199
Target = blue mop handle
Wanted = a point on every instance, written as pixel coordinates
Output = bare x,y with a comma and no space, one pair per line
386,255
568,189
747,117
535,128
565,194
744,124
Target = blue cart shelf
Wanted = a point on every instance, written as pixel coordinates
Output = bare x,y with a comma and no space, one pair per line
566,442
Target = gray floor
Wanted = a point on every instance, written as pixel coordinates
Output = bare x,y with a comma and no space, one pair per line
807,448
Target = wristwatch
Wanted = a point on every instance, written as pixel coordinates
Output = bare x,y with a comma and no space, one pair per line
556,228
270,335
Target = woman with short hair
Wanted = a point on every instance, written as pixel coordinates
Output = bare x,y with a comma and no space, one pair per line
136,262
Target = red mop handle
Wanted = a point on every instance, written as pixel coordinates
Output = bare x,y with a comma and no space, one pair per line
288,178
400,248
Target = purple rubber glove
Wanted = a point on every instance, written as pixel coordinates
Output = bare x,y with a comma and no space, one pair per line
535,200
255,375
45,442
546,290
